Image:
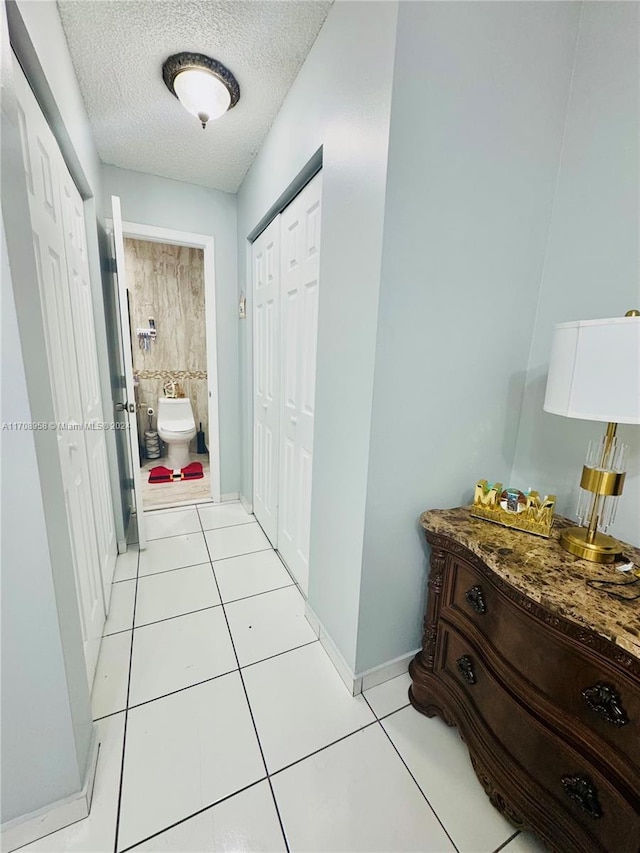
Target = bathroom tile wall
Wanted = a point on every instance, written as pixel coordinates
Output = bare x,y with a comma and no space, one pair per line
167,283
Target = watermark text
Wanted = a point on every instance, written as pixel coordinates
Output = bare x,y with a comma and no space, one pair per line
59,426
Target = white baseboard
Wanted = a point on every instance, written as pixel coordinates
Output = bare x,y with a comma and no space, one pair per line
312,619
353,684
229,496
364,680
27,828
246,504
386,671
122,546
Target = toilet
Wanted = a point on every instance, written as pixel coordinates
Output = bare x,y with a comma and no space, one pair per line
176,427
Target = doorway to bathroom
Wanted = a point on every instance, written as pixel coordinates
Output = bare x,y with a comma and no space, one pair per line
172,338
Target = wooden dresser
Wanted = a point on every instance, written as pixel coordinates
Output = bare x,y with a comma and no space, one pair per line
541,675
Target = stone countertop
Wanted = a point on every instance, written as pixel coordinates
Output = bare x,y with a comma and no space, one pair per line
546,573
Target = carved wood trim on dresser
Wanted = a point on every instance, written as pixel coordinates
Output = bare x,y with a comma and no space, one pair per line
541,675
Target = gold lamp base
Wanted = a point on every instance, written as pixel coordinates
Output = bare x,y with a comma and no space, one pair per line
603,549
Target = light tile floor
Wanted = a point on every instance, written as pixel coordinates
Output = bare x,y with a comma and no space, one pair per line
224,726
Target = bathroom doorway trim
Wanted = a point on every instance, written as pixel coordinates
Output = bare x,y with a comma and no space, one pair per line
205,242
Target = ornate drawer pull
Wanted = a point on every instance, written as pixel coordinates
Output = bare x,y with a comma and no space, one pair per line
583,791
465,665
475,597
606,702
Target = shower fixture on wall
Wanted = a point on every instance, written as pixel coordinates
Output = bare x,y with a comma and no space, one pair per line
204,86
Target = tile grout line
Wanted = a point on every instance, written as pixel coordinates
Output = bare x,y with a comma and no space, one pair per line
194,814
235,556
279,654
322,748
199,609
202,530
106,716
406,766
204,680
508,841
256,594
280,557
181,689
126,712
244,687
390,713
192,565
268,775
177,615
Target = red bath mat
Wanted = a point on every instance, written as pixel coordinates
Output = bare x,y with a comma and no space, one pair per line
193,471
160,474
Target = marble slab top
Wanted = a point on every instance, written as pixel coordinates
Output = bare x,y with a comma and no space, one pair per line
546,573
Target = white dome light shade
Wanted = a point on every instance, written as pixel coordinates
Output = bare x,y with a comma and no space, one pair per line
204,86
202,94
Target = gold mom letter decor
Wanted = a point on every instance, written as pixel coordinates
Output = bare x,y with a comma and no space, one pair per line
513,508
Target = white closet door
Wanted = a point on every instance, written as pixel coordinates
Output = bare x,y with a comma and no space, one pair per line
84,333
265,257
43,163
300,265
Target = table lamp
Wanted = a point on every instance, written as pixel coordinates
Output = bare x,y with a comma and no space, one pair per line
594,374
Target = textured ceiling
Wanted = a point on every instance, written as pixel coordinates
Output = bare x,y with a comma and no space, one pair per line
118,48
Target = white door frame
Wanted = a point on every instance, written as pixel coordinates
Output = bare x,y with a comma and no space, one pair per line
205,242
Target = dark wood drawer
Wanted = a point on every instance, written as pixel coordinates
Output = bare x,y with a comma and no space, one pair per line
580,793
552,663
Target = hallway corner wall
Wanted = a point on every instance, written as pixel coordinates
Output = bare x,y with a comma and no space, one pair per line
340,100
479,103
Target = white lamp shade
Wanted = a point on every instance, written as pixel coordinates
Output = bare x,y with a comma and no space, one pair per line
201,93
594,372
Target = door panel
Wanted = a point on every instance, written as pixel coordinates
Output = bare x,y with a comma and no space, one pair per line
308,343
288,505
290,330
265,257
300,229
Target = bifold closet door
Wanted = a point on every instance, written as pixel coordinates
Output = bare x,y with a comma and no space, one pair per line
85,336
43,168
299,289
265,259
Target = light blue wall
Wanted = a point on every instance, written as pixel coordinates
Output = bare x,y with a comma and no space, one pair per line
341,101
591,265
151,200
479,100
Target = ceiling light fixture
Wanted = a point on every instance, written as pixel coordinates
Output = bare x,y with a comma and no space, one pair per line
203,86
